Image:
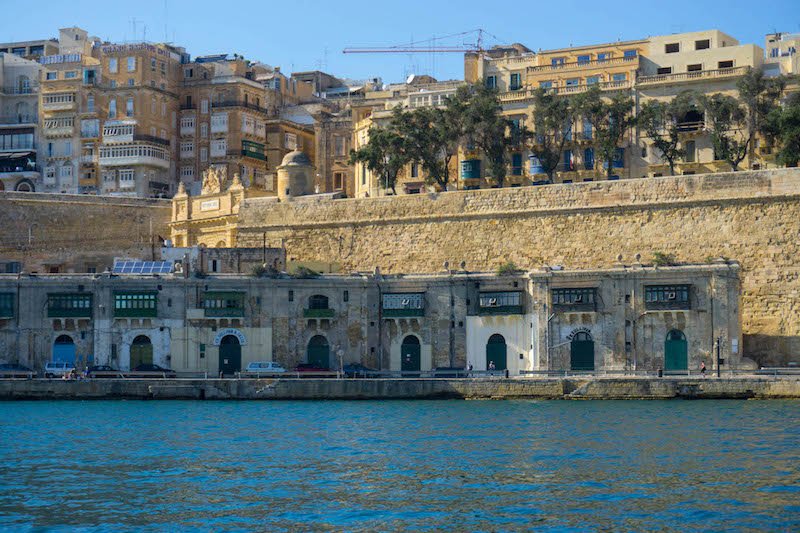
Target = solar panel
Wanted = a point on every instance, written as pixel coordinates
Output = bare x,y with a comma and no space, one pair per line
142,267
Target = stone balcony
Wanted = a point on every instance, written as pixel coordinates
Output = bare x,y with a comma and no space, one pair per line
661,79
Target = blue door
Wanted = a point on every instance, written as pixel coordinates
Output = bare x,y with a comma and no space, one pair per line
64,349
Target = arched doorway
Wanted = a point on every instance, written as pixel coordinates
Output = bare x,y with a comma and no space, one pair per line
676,351
64,349
141,351
319,352
410,355
496,352
582,352
230,355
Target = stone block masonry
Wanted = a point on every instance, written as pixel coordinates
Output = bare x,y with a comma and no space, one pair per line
753,217
75,233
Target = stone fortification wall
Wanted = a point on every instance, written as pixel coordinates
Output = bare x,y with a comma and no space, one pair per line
753,217
77,231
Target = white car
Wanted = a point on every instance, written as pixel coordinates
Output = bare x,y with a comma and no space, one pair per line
264,367
57,368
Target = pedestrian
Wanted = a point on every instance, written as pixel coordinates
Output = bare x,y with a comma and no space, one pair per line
469,369
703,368
491,368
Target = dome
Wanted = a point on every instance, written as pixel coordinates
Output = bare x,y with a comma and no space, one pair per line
296,158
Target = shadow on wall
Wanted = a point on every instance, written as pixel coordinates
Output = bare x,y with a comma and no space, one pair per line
772,350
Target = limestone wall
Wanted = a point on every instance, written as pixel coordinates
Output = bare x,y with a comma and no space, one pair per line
78,231
753,217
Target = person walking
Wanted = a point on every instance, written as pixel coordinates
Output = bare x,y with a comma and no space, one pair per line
703,368
491,368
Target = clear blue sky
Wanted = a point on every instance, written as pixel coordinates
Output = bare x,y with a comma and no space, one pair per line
305,35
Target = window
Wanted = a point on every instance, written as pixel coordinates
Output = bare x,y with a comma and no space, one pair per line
187,123
702,44
545,84
556,62
6,304
131,82
583,59
338,181
187,172
187,149
188,72
694,68
630,54
592,80
126,178
69,305
290,141
51,76
136,304
569,160
516,82
725,64
113,66
664,70
204,106
113,84
603,56
219,147
588,159
90,103
338,145
619,158
575,299
516,164
219,122
414,170
67,148
203,155
112,108
573,82
129,106
506,302
491,82
152,64
71,74
65,172
619,77
223,304
204,129
658,297
403,304
689,146
587,129
672,48
131,64
163,67
152,106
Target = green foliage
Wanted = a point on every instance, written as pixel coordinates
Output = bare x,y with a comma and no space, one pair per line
264,271
611,118
385,154
553,117
303,272
507,269
726,122
662,259
660,122
784,123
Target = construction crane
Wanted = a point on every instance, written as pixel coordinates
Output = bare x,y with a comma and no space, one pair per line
414,47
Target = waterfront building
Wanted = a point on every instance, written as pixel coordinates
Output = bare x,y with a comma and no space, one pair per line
19,122
620,319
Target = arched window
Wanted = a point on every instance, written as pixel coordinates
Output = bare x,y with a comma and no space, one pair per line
318,301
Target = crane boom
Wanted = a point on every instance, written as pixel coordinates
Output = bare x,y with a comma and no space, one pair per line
390,50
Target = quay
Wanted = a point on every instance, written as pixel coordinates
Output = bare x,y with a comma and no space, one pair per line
500,388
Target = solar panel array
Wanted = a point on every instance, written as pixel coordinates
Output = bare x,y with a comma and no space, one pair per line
142,267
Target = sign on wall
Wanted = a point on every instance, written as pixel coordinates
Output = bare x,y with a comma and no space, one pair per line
208,205
578,330
221,334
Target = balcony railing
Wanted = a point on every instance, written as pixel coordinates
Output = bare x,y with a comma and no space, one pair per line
698,74
18,119
17,90
238,103
527,92
188,107
150,138
585,64
319,313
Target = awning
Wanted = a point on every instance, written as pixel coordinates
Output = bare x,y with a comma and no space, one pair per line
15,155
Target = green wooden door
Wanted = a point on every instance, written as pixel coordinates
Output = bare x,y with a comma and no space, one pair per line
410,355
319,352
496,352
582,352
230,355
676,351
141,351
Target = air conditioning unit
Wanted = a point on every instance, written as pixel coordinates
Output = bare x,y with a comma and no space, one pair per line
671,296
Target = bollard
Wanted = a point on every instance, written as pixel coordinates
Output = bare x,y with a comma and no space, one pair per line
660,372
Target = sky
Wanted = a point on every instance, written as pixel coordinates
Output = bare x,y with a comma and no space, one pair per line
306,35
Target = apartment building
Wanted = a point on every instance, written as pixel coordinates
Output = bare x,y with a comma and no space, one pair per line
32,50
19,129
781,51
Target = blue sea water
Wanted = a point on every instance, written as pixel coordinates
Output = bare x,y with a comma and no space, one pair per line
396,465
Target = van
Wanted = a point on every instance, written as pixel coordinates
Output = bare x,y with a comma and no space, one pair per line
264,367
57,369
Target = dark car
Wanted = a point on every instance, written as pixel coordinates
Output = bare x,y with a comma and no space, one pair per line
15,370
357,370
102,371
151,370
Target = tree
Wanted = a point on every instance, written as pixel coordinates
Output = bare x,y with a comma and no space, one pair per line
726,122
610,117
661,123
553,117
385,154
759,96
783,126
489,131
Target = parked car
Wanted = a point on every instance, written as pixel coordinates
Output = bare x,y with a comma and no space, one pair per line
15,370
57,369
357,370
264,367
102,371
153,371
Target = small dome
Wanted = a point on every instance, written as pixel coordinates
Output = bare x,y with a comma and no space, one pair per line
296,158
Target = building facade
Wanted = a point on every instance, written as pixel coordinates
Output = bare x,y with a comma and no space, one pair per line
625,319
19,123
